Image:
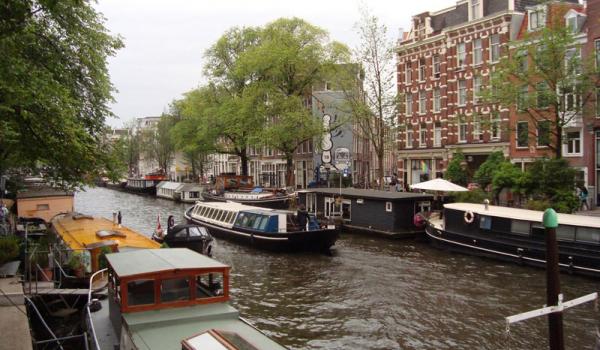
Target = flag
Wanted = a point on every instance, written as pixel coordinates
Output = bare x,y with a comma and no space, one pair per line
158,228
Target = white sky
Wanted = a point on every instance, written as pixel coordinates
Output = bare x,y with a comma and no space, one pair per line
165,40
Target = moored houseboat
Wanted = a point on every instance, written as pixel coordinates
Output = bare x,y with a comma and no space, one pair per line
43,202
190,193
517,235
170,299
271,229
386,213
142,185
168,190
83,239
240,189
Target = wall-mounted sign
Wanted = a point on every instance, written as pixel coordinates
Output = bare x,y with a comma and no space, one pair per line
326,143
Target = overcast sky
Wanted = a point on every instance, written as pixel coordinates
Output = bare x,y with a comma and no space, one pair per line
165,40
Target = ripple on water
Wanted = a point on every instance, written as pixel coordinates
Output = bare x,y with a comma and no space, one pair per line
375,293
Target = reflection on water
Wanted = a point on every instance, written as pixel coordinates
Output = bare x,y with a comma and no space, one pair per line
376,293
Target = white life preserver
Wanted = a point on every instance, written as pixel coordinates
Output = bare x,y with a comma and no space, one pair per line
469,216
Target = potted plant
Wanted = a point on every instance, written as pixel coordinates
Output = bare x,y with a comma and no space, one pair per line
75,263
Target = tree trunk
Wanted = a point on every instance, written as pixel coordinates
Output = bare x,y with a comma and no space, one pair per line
244,162
558,151
380,171
289,170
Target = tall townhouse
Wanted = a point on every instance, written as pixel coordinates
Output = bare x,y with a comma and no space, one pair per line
530,138
591,124
444,61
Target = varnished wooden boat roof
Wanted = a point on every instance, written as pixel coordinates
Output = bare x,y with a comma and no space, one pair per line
79,232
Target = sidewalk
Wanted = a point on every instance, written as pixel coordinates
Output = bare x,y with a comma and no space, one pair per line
592,212
13,321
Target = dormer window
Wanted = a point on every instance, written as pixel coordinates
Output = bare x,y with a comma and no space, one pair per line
475,9
573,21
537,18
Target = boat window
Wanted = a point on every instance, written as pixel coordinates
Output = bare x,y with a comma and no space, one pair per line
565,233
209,285
217,340
245,219
174,289
258,221
140,292
181,234
485,222
264,222
229,217
520,227
204,210
223,215
588,234
251,220
208,211
197,231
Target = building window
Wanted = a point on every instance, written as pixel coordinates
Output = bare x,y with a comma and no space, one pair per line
573,146
462,132
571,100
436,66
522,59
543,133
597,51
572,23
494,47
495,127
475,9
408,74
477,52
477,134
522,134
462,92
422,102
409,102
573,62
543,95
461,55
422,135
409,138
476,88
437,100
437,135
422,69
537,18
522,98
597,103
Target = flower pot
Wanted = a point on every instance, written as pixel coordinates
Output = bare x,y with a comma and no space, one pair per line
48,274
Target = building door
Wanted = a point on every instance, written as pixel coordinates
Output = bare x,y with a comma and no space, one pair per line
347,210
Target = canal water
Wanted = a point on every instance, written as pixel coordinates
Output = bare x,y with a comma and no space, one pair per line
374,293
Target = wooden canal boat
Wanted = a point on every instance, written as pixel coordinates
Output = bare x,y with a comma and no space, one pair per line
265,199
270,229
86,238
517,235
170,299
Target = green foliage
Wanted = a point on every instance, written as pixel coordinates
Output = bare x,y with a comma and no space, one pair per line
547,177
54,88
456,169
565,201
474,196
102,261
75,261
9,248
507,176
485,174
157,143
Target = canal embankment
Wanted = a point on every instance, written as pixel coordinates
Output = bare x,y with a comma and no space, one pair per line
14,324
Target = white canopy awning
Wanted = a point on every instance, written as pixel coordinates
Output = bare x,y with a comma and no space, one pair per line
440,185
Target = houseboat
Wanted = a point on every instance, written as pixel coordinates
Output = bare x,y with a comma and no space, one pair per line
168,190
190,193
271,229
82,239
43,202
385,213
170,299
240,189
517,235
142,185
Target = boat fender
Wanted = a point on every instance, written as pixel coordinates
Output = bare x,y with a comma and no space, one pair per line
419,220
469,216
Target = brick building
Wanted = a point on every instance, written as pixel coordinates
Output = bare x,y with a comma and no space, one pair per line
591,124
443,62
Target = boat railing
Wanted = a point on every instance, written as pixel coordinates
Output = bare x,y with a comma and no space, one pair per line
93,339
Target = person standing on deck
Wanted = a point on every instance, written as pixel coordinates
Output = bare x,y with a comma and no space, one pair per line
302,217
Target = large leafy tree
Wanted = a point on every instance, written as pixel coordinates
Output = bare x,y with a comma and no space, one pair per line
292,57
545,80
157,143
54,88
374,105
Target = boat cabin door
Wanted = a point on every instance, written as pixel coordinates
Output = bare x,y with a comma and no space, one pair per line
331,207
347,210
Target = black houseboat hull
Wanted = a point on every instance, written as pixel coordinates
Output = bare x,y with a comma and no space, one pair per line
272,203
515,249
300,241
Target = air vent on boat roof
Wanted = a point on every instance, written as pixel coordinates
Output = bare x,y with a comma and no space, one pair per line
81,216
109,233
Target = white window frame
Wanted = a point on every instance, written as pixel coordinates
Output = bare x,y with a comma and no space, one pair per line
422,136
476,88
475,9
537,133
409,138
597,53
436,66
408,73
494,48
462,132
409,104
422,69
422,102
477,52
567,143
437,100
462,92
495,125
521,122
437,135
461,55
477,134
539,14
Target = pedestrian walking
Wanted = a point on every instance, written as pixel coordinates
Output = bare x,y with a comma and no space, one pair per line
583,197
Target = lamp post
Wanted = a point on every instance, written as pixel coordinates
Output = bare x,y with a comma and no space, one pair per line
555,324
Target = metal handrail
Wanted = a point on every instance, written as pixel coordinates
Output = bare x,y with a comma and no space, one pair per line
44,322
87,308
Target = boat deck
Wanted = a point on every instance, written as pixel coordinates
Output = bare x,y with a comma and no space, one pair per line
105,333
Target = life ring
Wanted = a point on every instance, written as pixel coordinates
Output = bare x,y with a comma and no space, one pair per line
469,216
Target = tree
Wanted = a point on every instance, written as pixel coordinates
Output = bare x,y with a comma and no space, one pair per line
545,80
54,88
485,174
292,57
506,175
374,106
551,183
456,169
157,143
